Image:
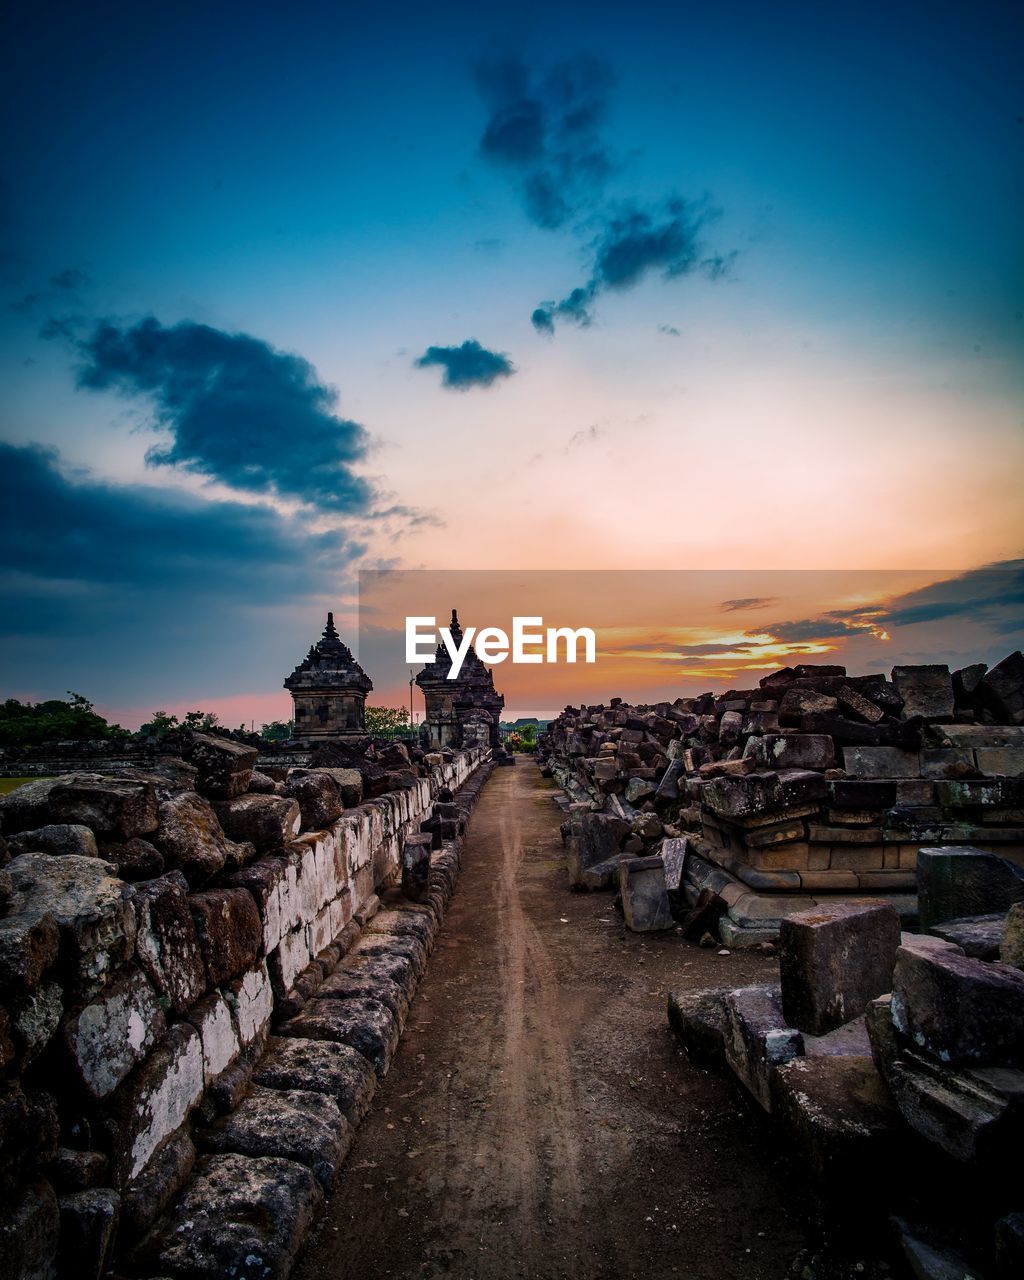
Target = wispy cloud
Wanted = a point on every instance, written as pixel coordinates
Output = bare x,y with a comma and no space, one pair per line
747,602
468,365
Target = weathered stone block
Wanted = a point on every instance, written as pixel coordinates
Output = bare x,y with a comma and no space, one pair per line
698,1019
57,839
229,932
318,797
251,999
155,1100
798,751
957,1009
348,984
673,854
114,1032
212,1018
320,1066
166,945
295,1124
380,946
1002,689
974,1115
365,1025
757,1038
93,911
149,1194
27,807
838,1116
644,897
243,1217
977,936
191,838
29,1233
881,762
110,807
264,880
134,859
225,767
29,945
957,880
88,1229
266,822
596,837
416,866
833,960
1011,946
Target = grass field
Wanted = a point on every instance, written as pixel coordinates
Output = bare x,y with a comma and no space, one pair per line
7,785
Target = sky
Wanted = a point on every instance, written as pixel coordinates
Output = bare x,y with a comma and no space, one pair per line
287,293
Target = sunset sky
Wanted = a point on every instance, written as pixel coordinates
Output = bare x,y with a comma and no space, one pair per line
291,292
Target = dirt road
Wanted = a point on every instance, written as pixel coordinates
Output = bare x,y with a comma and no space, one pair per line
539,1121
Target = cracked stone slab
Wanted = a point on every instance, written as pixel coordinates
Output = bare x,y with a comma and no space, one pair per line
365,1025
320,1066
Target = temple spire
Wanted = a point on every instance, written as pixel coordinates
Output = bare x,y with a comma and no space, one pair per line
454,628
329,631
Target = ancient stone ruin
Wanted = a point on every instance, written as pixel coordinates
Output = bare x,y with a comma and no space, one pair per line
764,803
204,972
328,690
464,710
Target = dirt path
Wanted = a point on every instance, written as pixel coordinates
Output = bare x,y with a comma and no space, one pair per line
538,1120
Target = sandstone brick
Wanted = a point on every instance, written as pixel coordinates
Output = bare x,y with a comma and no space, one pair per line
364,1025
56,839
229,931
320,1066
266,822
251,1000
319,799
212,1018
167,946
191,838
115,1031
110,806
225,767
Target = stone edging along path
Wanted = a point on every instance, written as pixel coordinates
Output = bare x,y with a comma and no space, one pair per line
265,1168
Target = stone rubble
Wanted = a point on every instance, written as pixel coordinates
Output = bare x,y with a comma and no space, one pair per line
815,785
184,1054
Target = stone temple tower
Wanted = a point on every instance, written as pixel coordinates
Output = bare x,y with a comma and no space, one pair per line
465,711
328,690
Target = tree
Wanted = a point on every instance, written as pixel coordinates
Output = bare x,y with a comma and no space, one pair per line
23,724
276,731
386,722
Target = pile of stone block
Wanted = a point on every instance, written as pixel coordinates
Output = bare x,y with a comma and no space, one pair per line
889,1060
817,783
155,928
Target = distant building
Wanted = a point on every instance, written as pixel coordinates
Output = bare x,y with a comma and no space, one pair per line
461,712
328,691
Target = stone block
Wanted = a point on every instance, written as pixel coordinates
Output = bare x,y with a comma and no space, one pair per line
93,910
757,1039
318,797
72,1170
1002,689
229,932
957,880
1011,944
645,902
838,1116
295,1124
115,1031
957,1009
29,1233
349,984
881,762
926,690
110,807
698,1019
402,924
29,946
88,1230
380,946
416,866
27,807
155,1101
396,968
973,1115
860,794
224,767
134,859
320,1066
166,944
595,837
797,703
57,839
266,822
251,1000
264,880
145,1198
212,1018
243,1217
673,854
798,751
977,936
365,1025
349,782
1004,762
191,838
835,959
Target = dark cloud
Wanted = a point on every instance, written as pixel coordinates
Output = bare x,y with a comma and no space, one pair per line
545,132
631,245
747,602
669,330
237,410
469,365
132,537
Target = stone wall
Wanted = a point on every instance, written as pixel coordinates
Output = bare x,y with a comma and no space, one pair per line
154,925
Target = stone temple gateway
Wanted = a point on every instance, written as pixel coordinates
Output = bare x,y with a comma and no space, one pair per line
462,712
328,690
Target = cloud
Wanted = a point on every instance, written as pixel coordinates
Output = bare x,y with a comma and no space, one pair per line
237,410
632,244
470,365
747,602
132,538
545,131
669,330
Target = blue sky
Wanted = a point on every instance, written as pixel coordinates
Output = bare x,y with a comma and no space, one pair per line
818,209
